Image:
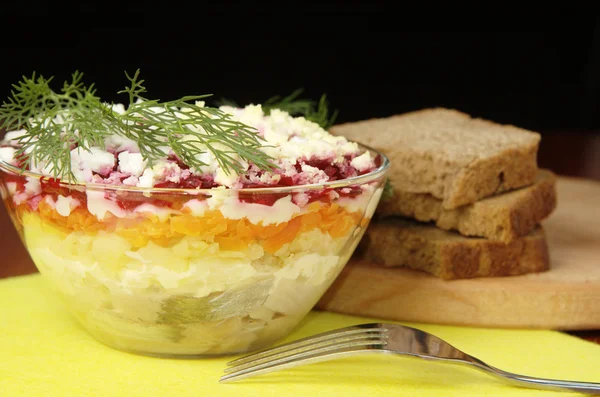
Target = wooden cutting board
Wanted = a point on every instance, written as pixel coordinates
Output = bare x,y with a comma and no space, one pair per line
565,297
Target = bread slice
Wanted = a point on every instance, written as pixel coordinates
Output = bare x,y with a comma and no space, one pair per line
450,155
504,217
399,242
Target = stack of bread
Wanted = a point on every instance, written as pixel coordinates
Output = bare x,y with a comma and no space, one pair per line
468,196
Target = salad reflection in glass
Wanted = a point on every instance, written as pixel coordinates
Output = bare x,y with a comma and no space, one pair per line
174,228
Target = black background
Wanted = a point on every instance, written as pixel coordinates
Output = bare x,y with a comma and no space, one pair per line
541,74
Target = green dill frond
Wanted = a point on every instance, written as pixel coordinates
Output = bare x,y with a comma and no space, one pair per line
55,123
388,191
317,112
321,115
290,104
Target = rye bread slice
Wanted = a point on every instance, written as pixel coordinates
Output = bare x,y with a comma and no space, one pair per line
504,217
397,242
450,155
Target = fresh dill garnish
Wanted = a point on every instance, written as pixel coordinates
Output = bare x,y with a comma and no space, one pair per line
309,109
291,104
388,191
321,114
55,123
50,131
317,112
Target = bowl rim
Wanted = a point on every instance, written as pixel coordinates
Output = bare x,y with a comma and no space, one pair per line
374,174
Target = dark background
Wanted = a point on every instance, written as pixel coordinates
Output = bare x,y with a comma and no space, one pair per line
545,79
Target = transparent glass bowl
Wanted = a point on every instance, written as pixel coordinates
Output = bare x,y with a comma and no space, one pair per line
184,272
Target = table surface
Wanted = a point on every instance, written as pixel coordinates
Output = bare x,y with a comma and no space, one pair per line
573,154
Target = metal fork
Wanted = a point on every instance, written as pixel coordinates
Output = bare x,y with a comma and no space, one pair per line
379,338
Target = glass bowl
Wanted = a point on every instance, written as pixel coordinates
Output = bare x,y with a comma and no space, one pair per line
190,272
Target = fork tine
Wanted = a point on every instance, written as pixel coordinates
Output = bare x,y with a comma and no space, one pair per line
355,329
358,339
307,357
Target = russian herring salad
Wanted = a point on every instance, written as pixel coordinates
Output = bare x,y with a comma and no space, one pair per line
179,228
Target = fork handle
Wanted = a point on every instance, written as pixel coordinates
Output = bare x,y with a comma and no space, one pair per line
537,383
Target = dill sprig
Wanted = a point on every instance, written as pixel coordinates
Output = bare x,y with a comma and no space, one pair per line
52,130
317,112
388,191
55,123
202,129
291,104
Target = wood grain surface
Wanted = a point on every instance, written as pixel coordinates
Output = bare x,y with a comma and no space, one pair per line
566,297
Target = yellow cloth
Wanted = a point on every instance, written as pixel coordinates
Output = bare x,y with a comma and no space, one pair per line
43,352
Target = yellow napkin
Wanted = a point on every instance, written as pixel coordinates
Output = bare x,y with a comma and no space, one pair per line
45,353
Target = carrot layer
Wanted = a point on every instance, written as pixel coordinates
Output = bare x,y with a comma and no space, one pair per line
231,234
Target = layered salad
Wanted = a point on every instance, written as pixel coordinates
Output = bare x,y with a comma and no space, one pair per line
202,251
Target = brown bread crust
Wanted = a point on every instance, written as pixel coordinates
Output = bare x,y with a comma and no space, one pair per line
397,242
505,217
448,154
